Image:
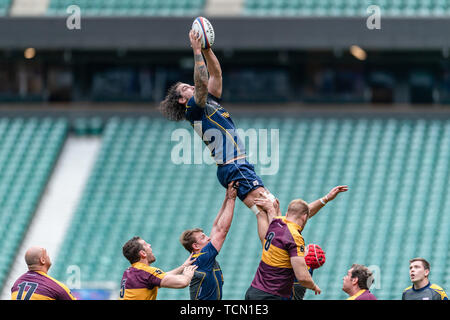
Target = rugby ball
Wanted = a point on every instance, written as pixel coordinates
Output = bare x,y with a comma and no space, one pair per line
205,29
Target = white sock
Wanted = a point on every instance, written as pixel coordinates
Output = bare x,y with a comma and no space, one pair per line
270,196
255,209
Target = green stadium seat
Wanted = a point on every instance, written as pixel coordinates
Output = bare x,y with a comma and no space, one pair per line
397,170
129,7
345,7
28,151
4,7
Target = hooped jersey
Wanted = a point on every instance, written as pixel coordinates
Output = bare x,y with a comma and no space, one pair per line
37,285
141,282
275,274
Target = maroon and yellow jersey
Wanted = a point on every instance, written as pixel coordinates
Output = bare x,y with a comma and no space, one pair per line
363,294
141,282
283,241
37,285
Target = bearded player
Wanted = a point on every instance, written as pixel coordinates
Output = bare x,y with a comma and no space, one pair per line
200,105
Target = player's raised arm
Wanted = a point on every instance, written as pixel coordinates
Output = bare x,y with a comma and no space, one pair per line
215,73
315,206
222,223
200,70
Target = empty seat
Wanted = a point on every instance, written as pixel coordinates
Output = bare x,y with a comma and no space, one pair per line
397,170
28,151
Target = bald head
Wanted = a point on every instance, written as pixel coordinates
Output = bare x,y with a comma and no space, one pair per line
37,258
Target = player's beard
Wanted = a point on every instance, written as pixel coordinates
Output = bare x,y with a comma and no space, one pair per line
151,258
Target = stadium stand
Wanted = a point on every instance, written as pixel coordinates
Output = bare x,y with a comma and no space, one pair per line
397,166
28,151
134,189
4,7
129,7
396,169
343,8
312,8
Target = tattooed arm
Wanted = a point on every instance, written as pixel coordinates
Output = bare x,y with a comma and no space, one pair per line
200,71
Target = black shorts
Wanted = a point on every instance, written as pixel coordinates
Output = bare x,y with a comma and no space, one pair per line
298,292
256,294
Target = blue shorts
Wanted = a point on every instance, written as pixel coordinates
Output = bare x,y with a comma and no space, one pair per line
244,173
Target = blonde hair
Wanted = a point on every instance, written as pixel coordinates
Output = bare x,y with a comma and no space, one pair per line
298,207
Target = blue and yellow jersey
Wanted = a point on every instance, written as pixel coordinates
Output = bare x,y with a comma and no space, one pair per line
216,128
429,292
208,278
275,274
37,285
141,282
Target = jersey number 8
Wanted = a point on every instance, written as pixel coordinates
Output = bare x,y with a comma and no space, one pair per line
269,239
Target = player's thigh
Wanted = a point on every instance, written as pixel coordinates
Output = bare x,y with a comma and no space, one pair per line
252,195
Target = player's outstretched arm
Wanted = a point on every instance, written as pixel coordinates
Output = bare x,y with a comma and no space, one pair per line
178,281
223,220
315,206
200,71
215,73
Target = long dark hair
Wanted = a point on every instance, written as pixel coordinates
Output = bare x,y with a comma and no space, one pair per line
170,107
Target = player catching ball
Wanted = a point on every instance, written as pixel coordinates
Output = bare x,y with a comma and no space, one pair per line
200,105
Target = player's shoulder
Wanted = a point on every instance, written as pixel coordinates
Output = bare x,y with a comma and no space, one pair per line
191,104
407,289
294,230
209,248
59,283
213,99
436,287
206,257
147,269
206,251
45,278
64,292
439,290
193,112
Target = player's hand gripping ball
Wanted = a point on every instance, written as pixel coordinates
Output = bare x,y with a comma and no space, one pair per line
315,256
205,29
